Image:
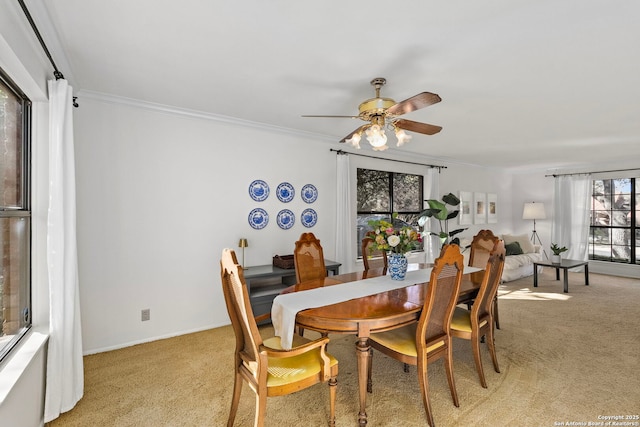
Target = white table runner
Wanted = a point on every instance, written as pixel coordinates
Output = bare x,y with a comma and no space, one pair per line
286,306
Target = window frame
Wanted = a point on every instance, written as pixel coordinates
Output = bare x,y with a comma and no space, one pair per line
22,210
384,214
633,228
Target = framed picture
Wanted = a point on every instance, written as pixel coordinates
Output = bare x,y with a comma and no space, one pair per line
466,208
480,208
492,208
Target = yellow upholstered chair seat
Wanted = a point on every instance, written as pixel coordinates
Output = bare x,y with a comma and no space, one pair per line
462,320
402,340
286,370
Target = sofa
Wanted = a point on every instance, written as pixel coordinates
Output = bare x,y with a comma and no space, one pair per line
519,262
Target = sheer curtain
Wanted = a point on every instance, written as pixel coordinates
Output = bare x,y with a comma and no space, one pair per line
344,220
431,191
65,381
571,205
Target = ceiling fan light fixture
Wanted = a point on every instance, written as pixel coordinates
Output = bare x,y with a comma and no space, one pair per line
376,137
355,140
402,137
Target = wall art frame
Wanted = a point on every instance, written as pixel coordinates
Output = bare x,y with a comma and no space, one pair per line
466,208
480,208
492,208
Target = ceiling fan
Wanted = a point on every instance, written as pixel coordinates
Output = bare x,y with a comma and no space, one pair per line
381,113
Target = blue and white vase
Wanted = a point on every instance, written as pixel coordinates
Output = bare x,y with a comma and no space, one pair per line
397,266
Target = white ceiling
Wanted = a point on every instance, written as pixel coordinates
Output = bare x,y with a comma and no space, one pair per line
540,84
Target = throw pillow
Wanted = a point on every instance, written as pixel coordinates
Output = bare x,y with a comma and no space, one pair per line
522,239
513,249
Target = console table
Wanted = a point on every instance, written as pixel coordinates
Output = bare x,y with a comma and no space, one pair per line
265,282
565,265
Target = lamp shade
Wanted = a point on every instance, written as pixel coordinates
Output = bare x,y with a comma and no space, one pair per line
243,243
533,210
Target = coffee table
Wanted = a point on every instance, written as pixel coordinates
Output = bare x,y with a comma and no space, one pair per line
565,265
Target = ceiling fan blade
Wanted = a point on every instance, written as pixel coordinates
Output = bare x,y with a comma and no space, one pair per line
360,129
424,128
333,117
416,102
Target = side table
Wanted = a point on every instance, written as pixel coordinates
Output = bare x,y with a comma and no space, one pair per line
565,265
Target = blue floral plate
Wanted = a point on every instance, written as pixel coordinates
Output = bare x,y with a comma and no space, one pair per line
285,219
309,193
285,192
259,190
258,218
309,217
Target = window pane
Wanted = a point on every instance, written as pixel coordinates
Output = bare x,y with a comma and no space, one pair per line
14,277
373,191
11,155
407,193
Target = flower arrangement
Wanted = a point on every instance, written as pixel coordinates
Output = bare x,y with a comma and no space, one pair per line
394,240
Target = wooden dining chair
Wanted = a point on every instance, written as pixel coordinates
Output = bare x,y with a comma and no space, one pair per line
428,340
478,322
308,258
263,364
482,245
373,257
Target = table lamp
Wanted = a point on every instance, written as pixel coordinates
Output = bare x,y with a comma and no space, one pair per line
243,243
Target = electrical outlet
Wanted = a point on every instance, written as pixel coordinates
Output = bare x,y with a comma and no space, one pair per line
145,314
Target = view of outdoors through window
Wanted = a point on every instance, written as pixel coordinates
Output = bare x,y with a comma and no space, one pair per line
15,217
382,193
615,221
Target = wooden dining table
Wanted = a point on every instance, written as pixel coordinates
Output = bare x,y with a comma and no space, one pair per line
374,313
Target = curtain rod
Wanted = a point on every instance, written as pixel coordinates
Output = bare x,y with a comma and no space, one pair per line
56,73
585,173
391,160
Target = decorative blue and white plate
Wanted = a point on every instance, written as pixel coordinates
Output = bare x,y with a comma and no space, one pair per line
309,217
259,190
309,193
285,192
286,219
258,218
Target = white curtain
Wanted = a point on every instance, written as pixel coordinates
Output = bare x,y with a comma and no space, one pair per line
571,205
432,244
344,220
65,381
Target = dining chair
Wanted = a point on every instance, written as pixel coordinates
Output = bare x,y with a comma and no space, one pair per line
263,364
373,257
478,322
308,258
482,245
428,340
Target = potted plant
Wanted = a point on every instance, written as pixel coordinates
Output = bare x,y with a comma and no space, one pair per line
438,210
556,258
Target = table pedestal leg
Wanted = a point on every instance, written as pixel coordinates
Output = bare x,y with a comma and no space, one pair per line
586,274
566,280
362,354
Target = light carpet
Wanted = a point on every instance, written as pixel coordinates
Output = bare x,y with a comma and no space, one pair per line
564,358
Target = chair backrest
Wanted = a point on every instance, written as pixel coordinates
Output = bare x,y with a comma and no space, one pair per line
442,295
308,258
483,303
373,257
482,245
236,296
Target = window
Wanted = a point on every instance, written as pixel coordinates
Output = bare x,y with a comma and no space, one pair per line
615,221
381,193
15,215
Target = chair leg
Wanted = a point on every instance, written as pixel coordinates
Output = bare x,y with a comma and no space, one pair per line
333,385
496,317
261,410
492,349
424,389
235,399
448,364
475,343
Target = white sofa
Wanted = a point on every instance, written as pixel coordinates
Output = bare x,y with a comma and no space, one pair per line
518,266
